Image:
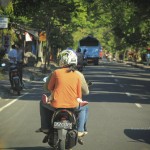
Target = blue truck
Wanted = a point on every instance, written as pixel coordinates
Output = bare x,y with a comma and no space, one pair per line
91,49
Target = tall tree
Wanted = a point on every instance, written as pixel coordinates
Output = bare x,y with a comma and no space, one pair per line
53,16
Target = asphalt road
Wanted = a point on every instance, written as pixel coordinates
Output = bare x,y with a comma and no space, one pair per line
119,115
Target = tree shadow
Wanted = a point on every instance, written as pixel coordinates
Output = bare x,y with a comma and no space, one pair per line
139,135
104,88
131,83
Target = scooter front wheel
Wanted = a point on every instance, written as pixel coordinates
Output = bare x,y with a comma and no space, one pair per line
17,85
18,92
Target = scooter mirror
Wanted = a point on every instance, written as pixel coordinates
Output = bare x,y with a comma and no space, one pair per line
45,79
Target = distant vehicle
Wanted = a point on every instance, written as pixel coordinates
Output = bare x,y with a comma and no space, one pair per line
91,49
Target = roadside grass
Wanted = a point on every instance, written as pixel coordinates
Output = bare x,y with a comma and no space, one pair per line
1,76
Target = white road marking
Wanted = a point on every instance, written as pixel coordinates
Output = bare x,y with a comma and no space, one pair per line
13,101
2,108
128,94
138,105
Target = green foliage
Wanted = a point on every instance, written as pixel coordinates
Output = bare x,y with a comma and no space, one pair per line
8,12
118,24
129,23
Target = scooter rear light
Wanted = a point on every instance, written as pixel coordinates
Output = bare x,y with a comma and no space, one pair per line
64,118
63,110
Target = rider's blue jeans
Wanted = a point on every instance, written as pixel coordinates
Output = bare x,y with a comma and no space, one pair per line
82,118
46,112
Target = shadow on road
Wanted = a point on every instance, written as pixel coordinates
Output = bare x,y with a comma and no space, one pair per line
118,83
139,135
27,148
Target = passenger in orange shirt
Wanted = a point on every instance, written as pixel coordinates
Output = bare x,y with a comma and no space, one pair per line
65,84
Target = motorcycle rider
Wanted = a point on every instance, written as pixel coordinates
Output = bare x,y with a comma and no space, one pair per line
80,57
15,56
20,61
65,84
12,55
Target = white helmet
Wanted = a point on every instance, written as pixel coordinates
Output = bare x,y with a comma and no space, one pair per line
67,57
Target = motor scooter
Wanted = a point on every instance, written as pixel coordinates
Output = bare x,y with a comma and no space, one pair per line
15,79
63,133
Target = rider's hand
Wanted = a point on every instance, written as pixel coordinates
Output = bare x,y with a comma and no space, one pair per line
49,101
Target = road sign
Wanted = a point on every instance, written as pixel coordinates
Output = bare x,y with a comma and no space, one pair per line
3,22
42,36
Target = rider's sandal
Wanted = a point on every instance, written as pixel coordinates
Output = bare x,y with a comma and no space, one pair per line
81,134
38,130
80,141
42,130
85,133
45,140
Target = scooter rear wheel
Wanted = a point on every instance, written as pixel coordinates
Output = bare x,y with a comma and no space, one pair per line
62,142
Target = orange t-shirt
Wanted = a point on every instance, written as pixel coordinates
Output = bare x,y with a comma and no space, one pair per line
66,87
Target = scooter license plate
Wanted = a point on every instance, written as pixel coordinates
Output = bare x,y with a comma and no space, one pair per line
62,125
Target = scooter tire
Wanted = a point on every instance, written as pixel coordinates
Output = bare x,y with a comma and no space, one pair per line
62,142
18,92
17,86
